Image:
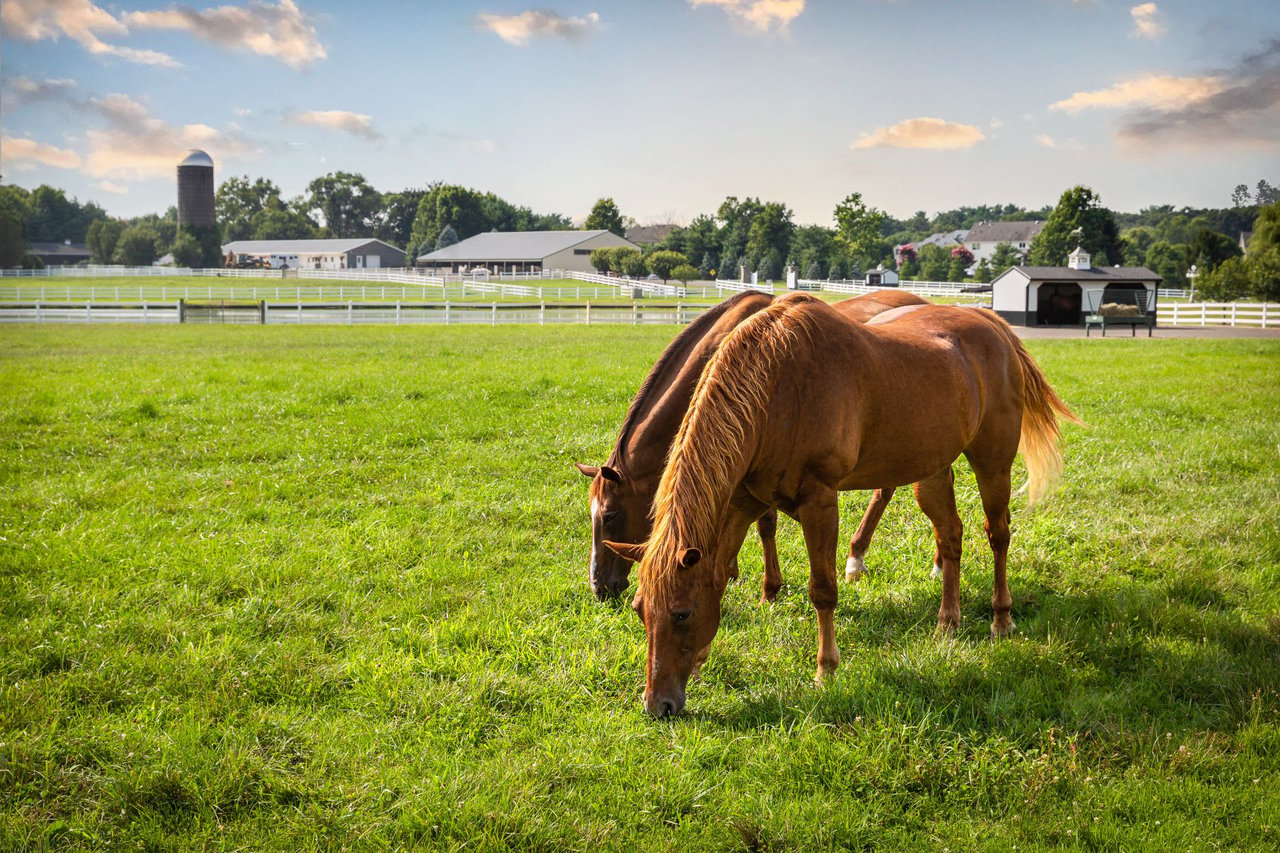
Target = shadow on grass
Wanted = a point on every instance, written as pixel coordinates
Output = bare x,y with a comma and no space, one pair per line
1136,660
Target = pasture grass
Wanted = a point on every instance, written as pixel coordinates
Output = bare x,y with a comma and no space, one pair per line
291,588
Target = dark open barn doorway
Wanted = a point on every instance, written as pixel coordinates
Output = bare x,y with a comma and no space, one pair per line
1058,305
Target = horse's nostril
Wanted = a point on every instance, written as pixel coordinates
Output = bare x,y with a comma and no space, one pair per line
668,709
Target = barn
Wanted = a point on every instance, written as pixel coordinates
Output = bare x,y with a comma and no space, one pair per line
524,251
335,254
1062,296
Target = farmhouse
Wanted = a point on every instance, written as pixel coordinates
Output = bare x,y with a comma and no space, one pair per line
983,238
1062,296
524,251
337,254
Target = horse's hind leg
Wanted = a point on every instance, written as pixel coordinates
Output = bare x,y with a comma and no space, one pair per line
861,541
993,485
767,526
937,498
819,518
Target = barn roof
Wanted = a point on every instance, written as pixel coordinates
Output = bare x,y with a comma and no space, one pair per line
512,245
300,247
1005,232
1109,275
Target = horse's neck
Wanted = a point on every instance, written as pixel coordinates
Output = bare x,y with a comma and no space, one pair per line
660,408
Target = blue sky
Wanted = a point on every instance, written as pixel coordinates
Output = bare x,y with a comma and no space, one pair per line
667,106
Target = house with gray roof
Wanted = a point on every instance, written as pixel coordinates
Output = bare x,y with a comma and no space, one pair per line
983,238
1062,296
335,254
63,254
524,251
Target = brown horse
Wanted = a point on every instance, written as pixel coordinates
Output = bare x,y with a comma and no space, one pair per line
797,405
622,489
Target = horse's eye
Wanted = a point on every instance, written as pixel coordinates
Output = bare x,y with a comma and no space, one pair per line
680,616
610,517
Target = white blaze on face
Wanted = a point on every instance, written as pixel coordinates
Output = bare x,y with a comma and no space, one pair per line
595,512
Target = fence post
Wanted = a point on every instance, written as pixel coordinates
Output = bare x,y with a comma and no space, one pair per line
1204,313
635,314
494,319
1264,315
397,313
1233,315
542,313
348,312
88,316
446,312
588,312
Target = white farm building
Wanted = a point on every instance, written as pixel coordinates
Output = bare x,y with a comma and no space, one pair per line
1063,296
524,251
357,253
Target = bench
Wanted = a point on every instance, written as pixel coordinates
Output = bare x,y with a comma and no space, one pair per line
1130,308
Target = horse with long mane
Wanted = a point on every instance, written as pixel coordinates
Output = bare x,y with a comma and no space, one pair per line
797,405
622,489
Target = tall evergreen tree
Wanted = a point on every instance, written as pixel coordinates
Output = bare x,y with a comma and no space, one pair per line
1078,220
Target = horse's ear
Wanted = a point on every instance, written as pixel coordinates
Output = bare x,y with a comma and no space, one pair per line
689,558
587,470
628,552
610,474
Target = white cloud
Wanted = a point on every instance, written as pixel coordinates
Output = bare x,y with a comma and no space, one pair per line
356,124
763,15
1057,145
535,23
109,187
280,31
1146,21
929,133
1160,92
24,154
79,20
134,144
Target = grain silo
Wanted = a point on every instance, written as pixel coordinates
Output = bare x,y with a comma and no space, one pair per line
195,189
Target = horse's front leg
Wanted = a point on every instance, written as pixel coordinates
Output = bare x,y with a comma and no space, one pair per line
819,517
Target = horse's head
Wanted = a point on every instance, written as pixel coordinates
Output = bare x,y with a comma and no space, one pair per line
681,614
620,514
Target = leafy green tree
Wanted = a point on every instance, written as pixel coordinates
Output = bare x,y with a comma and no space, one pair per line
12,244
686,273
345,202
1266,229
858,226
187,251
275,223
1228,282
394,223
1169,262
735,218
1264,274
238,200
1003,257
1240,196
699,239
139,246
449,204
770,231
982,273
208,238
1078,220
102,238
54,218
1265,194
601,259
447,237
605,216
662,262
630,262
707,265
1208,249
935,263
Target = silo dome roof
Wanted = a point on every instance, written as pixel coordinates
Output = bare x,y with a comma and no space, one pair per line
197,158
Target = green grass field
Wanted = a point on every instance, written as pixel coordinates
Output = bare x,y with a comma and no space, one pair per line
291,588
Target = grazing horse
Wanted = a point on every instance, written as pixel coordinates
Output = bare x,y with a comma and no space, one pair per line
622,489
797,405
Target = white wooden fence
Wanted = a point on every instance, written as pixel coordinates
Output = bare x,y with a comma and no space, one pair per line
1261,315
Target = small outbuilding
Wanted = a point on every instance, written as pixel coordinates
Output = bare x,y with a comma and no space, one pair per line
1063,296
356,253
63,254
524,251
881,277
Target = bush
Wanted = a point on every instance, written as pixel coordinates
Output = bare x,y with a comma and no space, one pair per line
1229,281
1264,274
686,273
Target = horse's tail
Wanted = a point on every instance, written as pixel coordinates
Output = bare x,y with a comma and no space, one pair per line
1040,434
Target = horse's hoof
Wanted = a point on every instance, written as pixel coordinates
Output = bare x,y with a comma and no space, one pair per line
999,631
947,627
854,569
768,596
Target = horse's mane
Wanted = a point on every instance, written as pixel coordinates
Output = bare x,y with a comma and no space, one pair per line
656,382
728,405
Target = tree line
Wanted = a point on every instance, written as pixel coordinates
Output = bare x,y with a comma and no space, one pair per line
741,235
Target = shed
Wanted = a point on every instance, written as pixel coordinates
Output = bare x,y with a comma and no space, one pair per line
1061,296
881,277
524,251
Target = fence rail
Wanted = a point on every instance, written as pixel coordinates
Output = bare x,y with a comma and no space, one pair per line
1262,315
352,312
